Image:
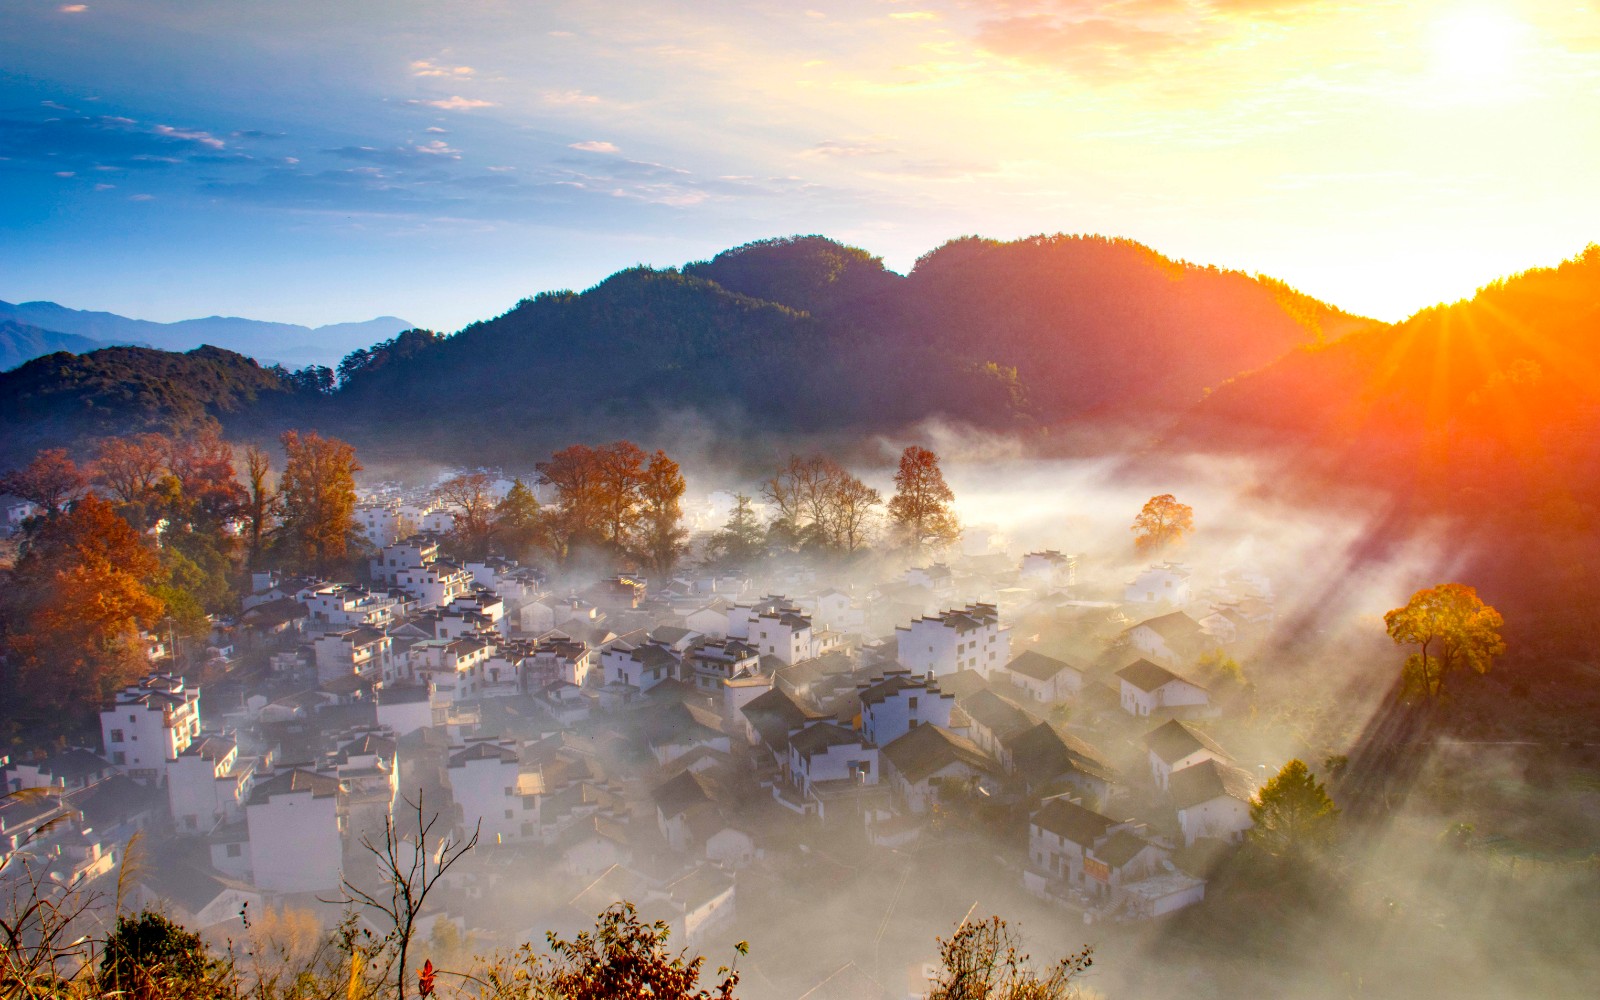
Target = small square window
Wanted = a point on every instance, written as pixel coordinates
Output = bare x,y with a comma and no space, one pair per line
235,850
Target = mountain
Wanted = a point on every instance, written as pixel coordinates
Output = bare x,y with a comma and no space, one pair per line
806,337
1497,395
66,399
20,342
285,343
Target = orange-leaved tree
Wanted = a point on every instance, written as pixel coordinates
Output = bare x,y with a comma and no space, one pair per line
1452,629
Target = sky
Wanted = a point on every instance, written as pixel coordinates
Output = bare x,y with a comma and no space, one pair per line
318,162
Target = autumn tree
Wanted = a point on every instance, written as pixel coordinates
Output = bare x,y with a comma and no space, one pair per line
52,480
470,502
129,469
1163,522
984,961
260,501
1292,814
921,506
598,495
518,521
624,958
76,602
319,500
741,542
1452,629
208,493
851,506
820,504
661,535
621,475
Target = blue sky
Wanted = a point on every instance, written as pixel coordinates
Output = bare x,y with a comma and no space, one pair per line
323,162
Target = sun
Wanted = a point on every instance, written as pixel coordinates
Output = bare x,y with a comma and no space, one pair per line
1476,45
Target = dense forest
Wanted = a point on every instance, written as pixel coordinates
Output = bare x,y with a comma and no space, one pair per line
781,337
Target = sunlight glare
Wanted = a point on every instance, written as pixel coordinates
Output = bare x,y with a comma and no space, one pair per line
1476,45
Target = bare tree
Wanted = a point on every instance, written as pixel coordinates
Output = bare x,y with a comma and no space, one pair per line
42,915
407,871
470,500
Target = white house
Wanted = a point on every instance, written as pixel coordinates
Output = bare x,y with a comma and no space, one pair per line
345,605
150,724
926,761
365,652
1060,833
966,639
490,784
1174,639
559,657
897,702
380,523
435,584
1049,570
641,667
1045,678
1174,746
1212,799
1147,687
1167,583
208,785
825,754
711,664
937,578
296,842
784,634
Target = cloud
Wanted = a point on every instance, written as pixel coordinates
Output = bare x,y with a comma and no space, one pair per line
427,67
104,187
437,130
438,148
457,103
851,148
142,197
398,156
190,135
66,173
568,97
594,146
915,15
73,8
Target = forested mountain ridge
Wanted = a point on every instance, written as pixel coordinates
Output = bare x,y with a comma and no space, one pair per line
780,337
21,342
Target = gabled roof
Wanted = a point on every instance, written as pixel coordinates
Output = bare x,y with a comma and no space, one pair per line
680,794
1174,741
819,737
1207,780
882,689
73,764
297,779
1039,667
210,748
1044,753
926,750
1071,821
484,750
996,714
1120,848
774,714
1176,625
1147,676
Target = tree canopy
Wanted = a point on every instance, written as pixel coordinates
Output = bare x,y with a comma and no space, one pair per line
1162,522
1292,814
1453,631
921,505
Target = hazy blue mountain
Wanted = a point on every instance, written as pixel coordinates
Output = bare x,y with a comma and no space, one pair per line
287,343
21,342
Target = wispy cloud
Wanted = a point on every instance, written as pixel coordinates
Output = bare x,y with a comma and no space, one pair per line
559,97
458,103
191,135
427,67
850,148
595,146
73,8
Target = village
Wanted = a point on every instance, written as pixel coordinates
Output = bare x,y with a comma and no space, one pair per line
686,743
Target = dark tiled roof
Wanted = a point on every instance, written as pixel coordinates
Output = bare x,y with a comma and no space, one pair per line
1207,780
1039,667
1174,741
1147,676
1071,821
928,749
320,786
819,737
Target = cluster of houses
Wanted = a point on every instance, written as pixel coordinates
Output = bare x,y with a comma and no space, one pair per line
659,740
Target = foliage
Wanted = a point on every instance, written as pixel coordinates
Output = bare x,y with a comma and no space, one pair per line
741,543
52,480
468,499
982,961
820,505
318,496
1161,523
518,521
260,503
130,468
148,957
624,958
77,599
617,500
1292,814
661,540
920,507
1452,629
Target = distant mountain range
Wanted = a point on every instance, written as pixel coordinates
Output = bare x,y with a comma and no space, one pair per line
780,339
285,343
20,342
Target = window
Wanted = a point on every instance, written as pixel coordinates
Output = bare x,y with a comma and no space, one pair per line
508,814
913,703
235,850
133,718
116,736
510,790
118,757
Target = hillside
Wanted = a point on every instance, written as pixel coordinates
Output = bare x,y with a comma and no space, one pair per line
286,343
800,336
1499,395
66,399
20,342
